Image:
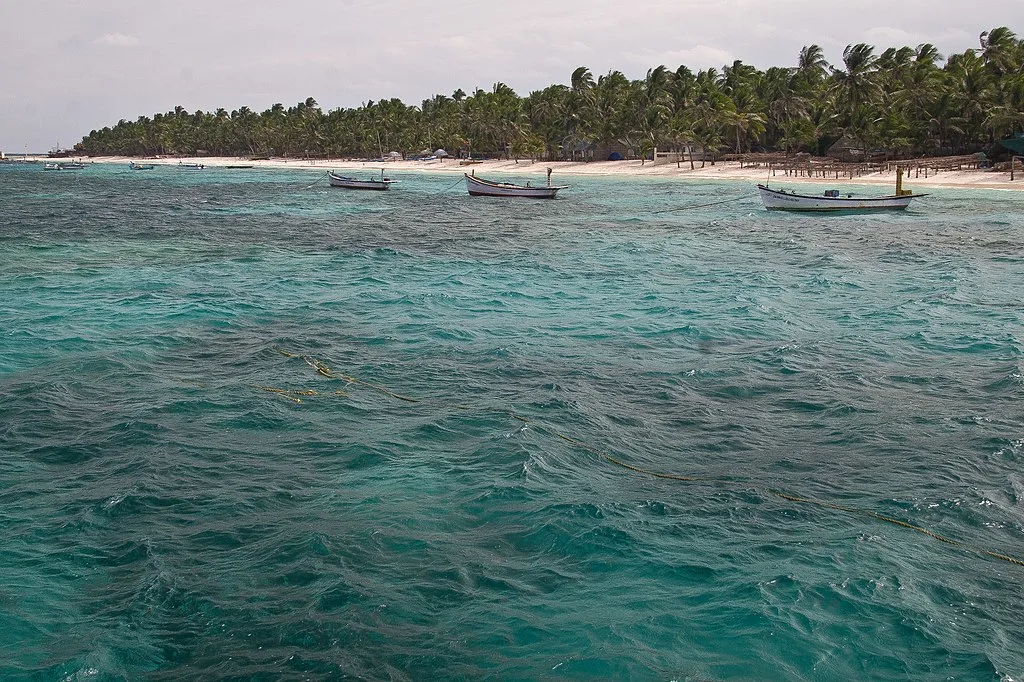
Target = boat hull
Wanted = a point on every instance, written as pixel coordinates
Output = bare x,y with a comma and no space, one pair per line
775,200
485,188
352,183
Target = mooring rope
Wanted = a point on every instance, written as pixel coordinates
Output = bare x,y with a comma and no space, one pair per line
453,185
692,206
327,372
325,175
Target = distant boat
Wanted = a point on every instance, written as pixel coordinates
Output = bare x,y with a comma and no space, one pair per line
352,183
191,166
478,187
834,201
71,165
140,166
238,167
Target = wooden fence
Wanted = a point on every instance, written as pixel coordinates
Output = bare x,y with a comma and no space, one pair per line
825,167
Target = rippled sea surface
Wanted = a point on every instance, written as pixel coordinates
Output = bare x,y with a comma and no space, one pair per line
184,495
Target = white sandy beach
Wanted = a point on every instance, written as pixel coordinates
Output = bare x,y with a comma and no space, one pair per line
722,170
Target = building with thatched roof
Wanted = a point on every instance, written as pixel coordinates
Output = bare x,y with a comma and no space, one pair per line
846,149
586,151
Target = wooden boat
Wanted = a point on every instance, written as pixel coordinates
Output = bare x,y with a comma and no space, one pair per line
71,165
140,166
834,201
191,166
478,187
352,183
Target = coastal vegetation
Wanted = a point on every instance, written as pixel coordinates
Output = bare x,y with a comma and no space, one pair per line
899,102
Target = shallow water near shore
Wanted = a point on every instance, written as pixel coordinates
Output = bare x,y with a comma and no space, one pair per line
184,494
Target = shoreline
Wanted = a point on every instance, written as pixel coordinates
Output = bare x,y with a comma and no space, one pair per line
721,171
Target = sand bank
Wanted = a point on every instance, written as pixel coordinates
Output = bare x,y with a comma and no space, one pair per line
981,179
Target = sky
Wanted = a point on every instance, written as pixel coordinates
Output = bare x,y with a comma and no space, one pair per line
69,67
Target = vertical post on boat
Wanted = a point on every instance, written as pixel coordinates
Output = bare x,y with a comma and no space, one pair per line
549,177
899,181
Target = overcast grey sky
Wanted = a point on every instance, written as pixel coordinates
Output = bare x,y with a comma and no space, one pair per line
68,67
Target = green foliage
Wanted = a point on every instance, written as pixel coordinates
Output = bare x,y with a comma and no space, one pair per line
898,102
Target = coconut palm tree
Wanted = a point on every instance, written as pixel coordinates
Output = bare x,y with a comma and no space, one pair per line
972,96
653,106
1000,50
811,65
903,100
546,113
857,83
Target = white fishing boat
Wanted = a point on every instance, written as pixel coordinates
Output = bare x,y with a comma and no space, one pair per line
478,187
70,165
140,166
344,182
191,166
835,201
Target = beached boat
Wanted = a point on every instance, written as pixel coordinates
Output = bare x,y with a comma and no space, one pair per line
478,187
834,201
140,166
352,183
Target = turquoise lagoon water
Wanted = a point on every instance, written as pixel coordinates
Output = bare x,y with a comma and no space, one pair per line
169,512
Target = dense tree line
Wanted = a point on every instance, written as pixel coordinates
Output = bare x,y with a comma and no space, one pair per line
903,101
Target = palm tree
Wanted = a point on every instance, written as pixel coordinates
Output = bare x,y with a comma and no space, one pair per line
811,65
579,106
904,100
682,131
654,106
743,124
546,114
609,115
972,95
857,83
1000,50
